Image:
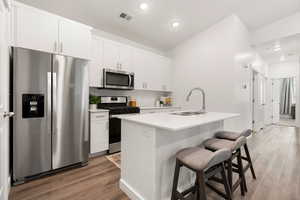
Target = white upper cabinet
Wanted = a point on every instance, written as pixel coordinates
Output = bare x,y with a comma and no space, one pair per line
40,30
74,39
117,56
152,71
96,64
35,29
126,58
110,54
142,69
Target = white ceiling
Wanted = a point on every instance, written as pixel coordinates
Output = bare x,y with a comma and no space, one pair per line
289,48
152,28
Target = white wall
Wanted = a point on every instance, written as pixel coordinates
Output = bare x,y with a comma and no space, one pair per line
279,29
212,60
284,69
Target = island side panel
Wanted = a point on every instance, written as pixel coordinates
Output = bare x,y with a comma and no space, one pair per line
138,161
167,144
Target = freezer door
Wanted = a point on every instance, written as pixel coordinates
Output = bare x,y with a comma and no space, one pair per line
70,111
31,101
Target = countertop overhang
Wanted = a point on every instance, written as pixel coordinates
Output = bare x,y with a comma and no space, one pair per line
171,122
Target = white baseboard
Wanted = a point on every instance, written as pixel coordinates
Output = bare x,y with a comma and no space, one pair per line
131,193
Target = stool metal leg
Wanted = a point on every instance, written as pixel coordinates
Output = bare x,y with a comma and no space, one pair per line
226,184
249,160
201,194
241,172
175,181
229,173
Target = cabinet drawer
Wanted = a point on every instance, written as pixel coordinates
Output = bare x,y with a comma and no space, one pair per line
99,116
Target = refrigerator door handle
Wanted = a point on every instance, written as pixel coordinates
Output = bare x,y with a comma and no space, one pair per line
49,100
54,102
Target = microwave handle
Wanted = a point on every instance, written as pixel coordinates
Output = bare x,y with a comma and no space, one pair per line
130,81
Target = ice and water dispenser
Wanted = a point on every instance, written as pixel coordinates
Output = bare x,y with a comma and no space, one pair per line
33,105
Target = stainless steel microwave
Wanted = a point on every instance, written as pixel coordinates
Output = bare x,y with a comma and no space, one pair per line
115,79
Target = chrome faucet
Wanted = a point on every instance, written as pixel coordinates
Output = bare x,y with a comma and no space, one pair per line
203,97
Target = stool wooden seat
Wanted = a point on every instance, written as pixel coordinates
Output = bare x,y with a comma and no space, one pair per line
215,144
206,164
233,136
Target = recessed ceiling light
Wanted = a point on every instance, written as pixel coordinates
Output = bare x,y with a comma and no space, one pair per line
175,24
144,6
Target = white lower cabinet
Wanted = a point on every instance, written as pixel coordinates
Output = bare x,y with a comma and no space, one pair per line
99,127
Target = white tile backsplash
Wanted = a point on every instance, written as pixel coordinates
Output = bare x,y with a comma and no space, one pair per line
144,98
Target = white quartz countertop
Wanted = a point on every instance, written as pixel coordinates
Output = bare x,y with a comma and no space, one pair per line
156,107
172,122
98,110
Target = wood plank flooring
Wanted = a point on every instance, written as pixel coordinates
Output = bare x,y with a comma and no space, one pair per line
275,153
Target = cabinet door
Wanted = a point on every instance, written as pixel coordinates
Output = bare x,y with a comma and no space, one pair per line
166,73
99,135
95,67
35,29
111,54
75,39
141,64
125,58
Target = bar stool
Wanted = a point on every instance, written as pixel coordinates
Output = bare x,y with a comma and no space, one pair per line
215,144
233,136
206,165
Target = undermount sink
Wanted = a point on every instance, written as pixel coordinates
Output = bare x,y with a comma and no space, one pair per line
189,113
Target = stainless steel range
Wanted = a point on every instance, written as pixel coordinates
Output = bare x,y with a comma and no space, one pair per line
49,95
116,106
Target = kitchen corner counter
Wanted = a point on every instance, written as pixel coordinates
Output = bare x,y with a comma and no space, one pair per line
159,108
98,110
171,122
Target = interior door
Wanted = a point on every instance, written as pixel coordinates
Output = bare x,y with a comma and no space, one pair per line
70,134
258,102
4,105
269,102
276,100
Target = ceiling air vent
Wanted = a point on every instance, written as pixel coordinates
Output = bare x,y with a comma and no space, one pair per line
125,16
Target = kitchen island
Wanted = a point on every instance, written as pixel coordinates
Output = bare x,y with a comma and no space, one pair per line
149,145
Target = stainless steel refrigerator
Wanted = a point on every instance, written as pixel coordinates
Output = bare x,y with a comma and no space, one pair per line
49,95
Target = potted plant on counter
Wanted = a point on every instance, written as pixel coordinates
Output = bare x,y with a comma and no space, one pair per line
94,100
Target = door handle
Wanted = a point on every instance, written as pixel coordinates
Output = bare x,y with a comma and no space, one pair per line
55,46
8,114
49,99
61,47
